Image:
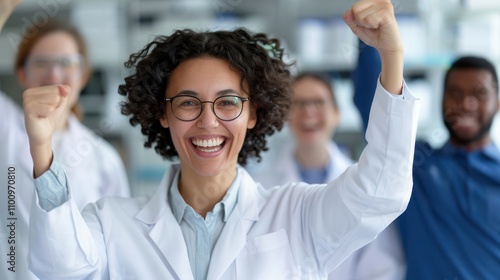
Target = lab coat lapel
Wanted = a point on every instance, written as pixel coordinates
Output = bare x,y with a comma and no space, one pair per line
166,232
167,235
287,167
340,162
234,234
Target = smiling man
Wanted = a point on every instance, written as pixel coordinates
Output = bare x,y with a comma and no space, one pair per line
451,228
470,102
452,221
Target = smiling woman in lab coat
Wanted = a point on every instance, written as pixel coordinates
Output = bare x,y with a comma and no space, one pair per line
208,98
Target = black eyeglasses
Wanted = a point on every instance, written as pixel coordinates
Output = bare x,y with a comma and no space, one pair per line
187,108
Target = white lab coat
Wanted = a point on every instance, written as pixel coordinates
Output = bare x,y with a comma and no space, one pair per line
280,168
297,231
14,154
382,259
93,167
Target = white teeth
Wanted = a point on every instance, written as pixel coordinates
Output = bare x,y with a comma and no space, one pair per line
309,125
208,143
210,150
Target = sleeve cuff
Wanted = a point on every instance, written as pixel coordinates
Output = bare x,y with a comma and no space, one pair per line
52,187
405,95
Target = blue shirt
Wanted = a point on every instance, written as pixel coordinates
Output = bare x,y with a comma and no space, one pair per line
314,175
451,228
201,234
364,78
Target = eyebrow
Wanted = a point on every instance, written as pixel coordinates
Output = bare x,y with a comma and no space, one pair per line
219,93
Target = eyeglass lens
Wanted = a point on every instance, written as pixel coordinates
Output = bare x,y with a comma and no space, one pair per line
188,108
39,67
314,103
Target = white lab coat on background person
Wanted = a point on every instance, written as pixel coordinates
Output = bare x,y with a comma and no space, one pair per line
278,168
381,259
14,157
80,153
79,150
297,231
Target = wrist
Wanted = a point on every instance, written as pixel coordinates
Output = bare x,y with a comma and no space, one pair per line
397,54
391,76
42,158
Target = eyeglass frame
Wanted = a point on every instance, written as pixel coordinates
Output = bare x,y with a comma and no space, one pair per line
317,104
56,59
242,99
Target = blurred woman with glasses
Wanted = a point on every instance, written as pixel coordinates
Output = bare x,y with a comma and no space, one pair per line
210,99
55,54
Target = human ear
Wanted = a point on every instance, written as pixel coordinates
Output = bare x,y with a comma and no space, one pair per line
164,121
336,117
21,77
85,78
252,120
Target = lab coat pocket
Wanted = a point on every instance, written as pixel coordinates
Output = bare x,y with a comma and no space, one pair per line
267,257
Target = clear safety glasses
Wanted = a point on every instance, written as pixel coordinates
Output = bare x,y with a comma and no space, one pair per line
64,67
317,104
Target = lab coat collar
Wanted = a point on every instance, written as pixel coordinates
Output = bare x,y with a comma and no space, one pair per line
157,205
287,169
340,162
234,234
248,197
226,205
166,232
249,200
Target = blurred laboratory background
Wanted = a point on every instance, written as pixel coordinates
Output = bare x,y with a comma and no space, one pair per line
434,33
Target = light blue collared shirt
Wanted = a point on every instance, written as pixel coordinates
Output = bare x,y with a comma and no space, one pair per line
200,235
314,175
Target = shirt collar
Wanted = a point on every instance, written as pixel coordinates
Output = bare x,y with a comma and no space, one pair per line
314,175
176,201
490,150
228,202
231,198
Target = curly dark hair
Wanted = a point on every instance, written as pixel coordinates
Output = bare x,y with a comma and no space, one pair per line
258,59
